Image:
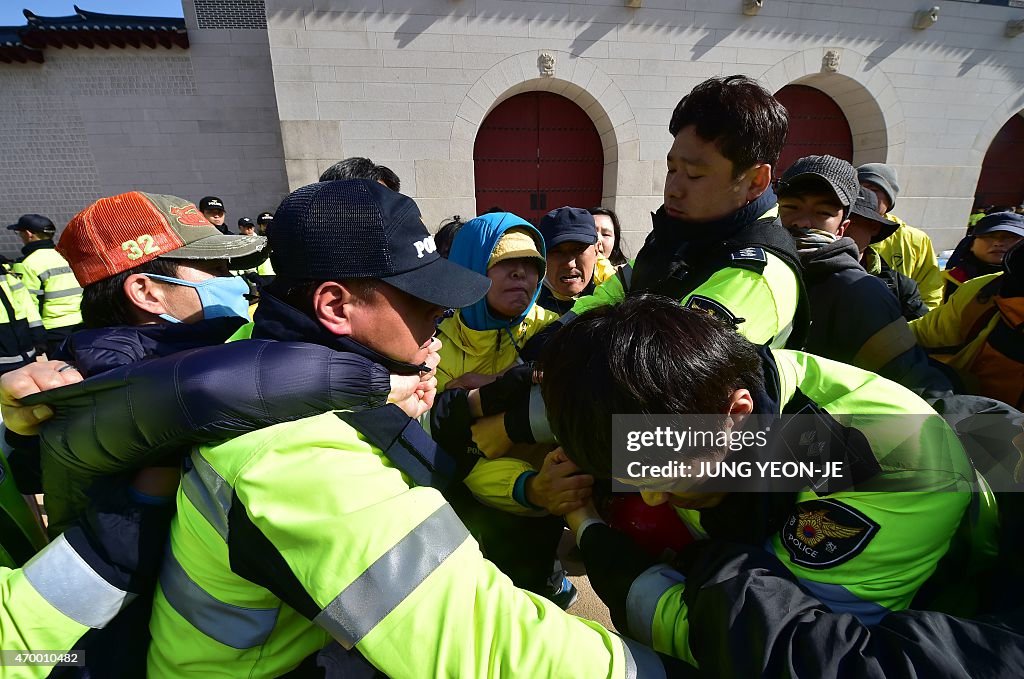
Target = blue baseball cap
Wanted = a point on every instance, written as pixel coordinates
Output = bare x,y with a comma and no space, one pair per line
357,228
567,224
34,224
1000,221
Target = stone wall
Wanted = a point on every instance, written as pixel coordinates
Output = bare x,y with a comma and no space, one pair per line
190,122
408,82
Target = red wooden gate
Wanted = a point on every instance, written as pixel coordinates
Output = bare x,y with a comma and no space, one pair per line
817,126
535,152
1002,182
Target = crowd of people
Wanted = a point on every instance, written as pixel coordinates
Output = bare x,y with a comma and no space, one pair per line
336,445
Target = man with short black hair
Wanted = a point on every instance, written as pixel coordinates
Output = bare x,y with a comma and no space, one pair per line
213,209
856,543
362,168
717,243
47,276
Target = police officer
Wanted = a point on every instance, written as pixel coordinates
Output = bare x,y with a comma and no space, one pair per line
22,336
48,277
53,603
213,209
263,222
717,244
864,553
255,581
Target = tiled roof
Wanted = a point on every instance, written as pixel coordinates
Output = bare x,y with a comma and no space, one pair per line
22,44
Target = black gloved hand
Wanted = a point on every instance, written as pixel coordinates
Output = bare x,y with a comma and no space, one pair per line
509,391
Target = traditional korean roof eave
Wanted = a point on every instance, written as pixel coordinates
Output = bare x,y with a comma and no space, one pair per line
22,44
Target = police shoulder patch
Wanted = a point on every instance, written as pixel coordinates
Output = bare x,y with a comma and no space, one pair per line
823,534
752,259
713,308
749,254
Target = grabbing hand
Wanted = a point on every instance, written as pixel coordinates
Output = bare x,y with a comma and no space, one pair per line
559,488
32,379
414,394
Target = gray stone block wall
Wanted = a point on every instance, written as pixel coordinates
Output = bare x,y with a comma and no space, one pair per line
409,82
89,123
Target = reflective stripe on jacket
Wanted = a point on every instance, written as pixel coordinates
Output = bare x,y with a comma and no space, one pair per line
48,277
363,559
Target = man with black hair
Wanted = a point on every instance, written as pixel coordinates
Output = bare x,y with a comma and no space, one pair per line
362,168
864,553
717,243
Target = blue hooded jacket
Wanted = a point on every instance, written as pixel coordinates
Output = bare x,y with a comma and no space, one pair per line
472,248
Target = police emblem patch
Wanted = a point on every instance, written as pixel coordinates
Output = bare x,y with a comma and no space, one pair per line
826,533
750,254
713,308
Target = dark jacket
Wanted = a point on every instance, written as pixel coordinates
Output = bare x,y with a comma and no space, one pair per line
963,266
855,319
139,413
903,287
749,618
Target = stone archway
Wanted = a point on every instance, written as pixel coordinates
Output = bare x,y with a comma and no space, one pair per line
535,152
863,92
1000,182
579,80
817,126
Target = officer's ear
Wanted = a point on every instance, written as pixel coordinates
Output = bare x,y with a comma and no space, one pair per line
760,180
739,405
331,305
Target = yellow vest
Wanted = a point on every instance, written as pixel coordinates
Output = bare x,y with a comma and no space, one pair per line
909,251
47,276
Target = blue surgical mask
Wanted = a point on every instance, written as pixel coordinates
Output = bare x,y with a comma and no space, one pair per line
220,297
